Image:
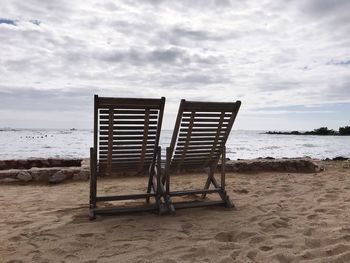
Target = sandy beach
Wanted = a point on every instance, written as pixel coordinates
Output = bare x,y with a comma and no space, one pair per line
280,217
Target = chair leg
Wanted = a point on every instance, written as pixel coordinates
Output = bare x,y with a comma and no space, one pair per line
223,194
149,187
150,181
208,182
166,182
93,184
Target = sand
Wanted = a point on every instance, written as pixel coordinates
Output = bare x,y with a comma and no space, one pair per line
280,217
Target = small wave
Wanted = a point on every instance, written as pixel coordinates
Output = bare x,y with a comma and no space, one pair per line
270,148
309,145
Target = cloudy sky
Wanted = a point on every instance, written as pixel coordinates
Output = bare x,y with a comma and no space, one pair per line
287,61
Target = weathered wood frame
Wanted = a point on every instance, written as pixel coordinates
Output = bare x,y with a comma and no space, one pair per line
127,105
203,110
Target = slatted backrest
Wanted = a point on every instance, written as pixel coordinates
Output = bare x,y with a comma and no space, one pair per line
126,133
201,130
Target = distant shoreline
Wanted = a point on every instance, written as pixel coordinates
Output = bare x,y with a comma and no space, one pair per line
323,131
302,133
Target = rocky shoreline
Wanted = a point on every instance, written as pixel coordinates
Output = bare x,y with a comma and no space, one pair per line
58,170
44,170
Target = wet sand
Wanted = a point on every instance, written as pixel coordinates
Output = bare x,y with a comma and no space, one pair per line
280,217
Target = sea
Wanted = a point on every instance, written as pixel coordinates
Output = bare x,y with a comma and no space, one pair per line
242,144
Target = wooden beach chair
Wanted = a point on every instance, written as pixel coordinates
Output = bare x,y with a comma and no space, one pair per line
126,139
198,141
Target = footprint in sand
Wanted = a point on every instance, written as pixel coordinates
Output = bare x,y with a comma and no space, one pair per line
71,258
86,235
284,258
331,196
320,210
312,216
308,232
312,242
265,248
338,249
252,254
186,227
257,239
233,236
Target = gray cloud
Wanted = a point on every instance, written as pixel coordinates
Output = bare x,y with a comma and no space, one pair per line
8,21
174,56
339,62
268,53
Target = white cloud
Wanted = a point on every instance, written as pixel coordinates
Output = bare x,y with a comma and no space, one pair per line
265,53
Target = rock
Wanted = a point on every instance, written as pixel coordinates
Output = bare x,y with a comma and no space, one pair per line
23,164
55,162
8,174
24,176
2,165
8,180
43,174
57,177
82,175
273,165
85,163
340,158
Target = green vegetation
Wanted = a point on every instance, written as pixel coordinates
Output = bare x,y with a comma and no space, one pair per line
344,130
320,131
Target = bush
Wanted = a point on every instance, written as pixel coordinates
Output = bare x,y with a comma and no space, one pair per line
324,131
344,130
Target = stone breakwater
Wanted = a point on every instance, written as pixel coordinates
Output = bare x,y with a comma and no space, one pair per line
44,170
59,170
298,165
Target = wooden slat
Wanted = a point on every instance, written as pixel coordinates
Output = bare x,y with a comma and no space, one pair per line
205,125
110,142
128,117
196,143
205,115
190,154
197,139
117,152
122,162
129,102
190,159
123,156
199,130
125,142
145,135
204,120
123,197
194,151
139,132
131,127
131,122
197,148
128,112
207,106
130,166
127,147
186,143
217,137
198,134
127,138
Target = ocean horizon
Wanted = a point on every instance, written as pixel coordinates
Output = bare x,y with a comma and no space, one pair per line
242,144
